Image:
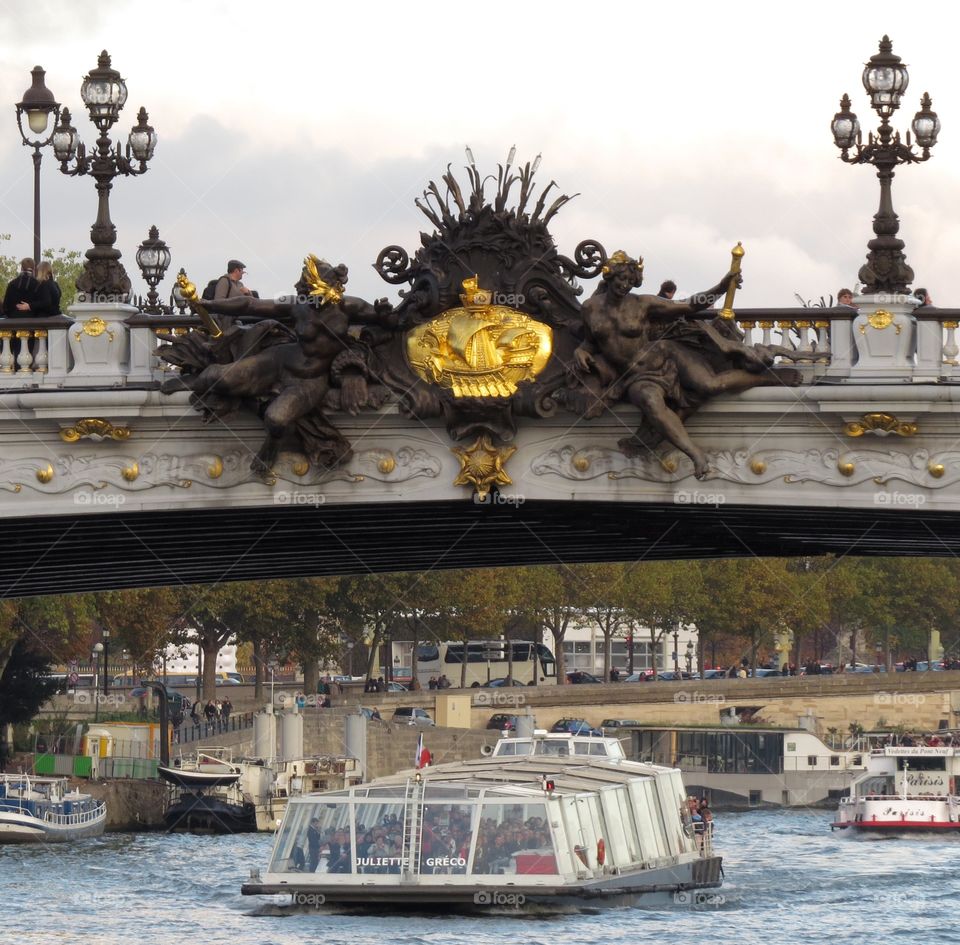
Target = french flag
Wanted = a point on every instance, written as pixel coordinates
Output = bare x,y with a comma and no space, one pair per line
423,755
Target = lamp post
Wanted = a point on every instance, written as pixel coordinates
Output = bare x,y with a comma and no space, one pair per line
106,663
38,105
97,650
885,80
153,258
676,645
104,93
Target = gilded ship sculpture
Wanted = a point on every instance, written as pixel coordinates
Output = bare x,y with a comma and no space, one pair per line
489,327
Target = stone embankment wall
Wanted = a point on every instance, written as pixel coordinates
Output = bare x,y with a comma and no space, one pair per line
916,700
131,804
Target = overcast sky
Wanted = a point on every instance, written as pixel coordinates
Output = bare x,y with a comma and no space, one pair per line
287,128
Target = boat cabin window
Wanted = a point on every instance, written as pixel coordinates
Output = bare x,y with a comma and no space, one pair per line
315,838
591,748
514,839
553,748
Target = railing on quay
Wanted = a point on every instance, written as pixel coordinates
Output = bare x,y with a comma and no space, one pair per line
189,731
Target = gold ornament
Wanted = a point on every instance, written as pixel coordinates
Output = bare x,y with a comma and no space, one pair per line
95,428
480,350
481,465
882,424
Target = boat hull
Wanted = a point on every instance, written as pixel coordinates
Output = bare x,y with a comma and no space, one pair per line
896,826
204,813
680,883
20,828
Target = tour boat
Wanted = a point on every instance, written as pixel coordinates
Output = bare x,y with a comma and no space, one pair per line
904,789
547,822
45,810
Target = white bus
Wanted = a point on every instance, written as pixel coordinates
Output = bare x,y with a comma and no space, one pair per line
486,660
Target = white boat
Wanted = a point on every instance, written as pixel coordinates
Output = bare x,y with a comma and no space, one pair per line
45,810
904,789
548,822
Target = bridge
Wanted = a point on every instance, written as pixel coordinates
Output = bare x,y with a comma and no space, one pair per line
107,482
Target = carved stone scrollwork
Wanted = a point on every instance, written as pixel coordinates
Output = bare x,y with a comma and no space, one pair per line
830,467
211,471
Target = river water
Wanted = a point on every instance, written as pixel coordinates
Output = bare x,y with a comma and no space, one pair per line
788,880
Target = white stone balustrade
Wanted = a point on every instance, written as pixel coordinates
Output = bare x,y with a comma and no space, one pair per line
117,346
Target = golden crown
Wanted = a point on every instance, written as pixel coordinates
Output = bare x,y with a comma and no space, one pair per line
473,296
620,258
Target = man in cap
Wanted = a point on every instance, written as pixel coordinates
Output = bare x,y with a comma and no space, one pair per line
229,286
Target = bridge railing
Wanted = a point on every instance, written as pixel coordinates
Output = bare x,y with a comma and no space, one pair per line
117,345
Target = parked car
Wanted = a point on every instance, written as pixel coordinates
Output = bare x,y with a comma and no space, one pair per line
575,727
645,675
670,675
762,672
618,723
367,713
714,674
502,723
411,715
579,676
501,682
395,687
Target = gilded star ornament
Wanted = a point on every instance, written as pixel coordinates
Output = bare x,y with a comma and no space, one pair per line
481,465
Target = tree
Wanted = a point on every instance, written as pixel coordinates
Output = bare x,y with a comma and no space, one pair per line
550,597
661,596
23,688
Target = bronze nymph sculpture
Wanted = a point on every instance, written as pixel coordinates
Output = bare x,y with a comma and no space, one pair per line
299,351
632,351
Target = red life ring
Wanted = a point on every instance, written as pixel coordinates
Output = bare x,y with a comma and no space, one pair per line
601,852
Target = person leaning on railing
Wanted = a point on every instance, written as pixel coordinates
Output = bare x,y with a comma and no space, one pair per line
22,289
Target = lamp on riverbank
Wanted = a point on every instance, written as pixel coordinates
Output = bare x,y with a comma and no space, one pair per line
97,650
106,660
885,79
38,104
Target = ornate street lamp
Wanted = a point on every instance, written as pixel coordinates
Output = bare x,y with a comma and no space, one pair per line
38,105
104,93
153,258
885,79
